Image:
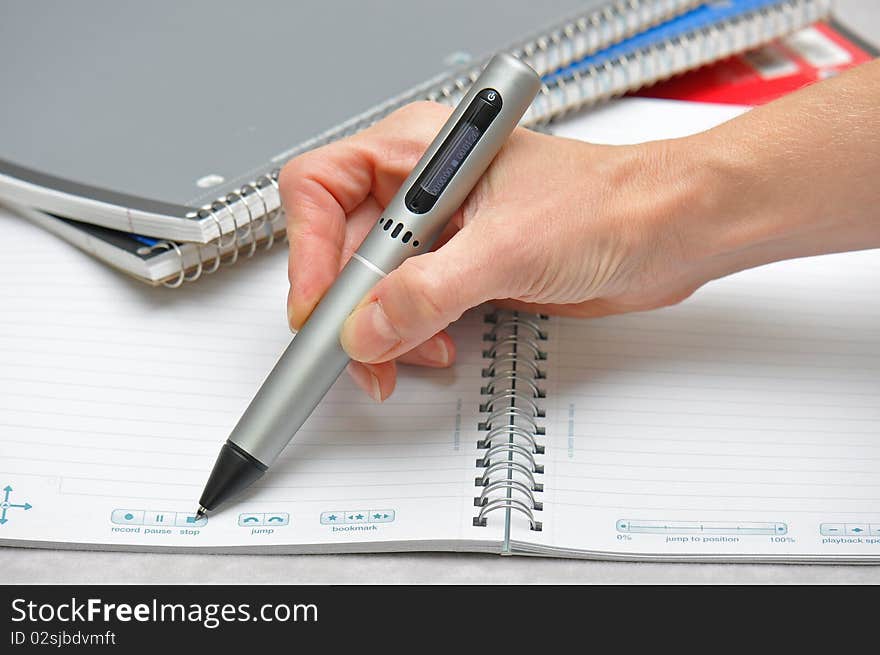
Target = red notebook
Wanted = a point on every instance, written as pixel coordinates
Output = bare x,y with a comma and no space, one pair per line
762,75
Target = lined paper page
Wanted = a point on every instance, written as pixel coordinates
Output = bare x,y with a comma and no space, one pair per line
115,398
744,421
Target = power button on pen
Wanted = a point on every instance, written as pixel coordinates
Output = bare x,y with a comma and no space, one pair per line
490,96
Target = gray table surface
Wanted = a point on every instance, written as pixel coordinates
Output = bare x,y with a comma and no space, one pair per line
21,565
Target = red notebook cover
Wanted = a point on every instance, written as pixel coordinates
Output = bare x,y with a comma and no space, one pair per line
762,75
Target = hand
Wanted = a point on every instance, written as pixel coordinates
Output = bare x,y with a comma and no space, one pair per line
555,225
566,227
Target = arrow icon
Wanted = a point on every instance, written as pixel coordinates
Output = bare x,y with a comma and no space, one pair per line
5,506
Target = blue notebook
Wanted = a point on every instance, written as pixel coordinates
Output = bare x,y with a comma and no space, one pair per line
710,32
705,17
158,261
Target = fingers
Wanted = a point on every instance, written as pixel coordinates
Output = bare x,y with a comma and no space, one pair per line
360,222
307,285
436,352
424,295
318,192
322,189
378,380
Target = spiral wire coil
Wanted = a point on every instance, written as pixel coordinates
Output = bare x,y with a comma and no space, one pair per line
511,427
645,66
255,221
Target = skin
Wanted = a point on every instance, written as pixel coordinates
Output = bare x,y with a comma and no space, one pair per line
586,230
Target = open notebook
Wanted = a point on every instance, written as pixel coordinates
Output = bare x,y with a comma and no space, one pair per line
742,424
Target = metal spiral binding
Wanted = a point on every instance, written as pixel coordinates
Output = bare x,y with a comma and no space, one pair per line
574,40
511,459
649,65
181,276
242,239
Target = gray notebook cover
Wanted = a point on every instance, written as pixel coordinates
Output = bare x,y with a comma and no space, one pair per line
133,104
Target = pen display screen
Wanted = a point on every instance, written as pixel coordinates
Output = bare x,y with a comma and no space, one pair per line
457,146
463,139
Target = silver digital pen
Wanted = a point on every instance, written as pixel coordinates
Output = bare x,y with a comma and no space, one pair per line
435,189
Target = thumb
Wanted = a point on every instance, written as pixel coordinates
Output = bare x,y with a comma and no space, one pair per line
424,295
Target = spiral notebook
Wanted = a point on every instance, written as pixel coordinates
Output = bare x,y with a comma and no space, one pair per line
160,261
200,161
741,425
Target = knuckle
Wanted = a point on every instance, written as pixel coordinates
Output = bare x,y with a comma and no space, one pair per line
297,172
291,174
417,120
400,138
291,181
415,110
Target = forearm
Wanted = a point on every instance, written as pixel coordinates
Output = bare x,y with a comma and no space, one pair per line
797,177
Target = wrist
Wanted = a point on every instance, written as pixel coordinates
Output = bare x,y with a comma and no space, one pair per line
690,200
725,207
747,201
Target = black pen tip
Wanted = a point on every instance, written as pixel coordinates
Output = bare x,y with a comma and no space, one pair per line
201,512
234,471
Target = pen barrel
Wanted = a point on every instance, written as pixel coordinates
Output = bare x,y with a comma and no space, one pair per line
305,372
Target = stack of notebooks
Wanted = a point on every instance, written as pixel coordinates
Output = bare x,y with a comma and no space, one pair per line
741,425
158,152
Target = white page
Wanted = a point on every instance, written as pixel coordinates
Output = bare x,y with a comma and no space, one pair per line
115,396
637,120
744,422
751,413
